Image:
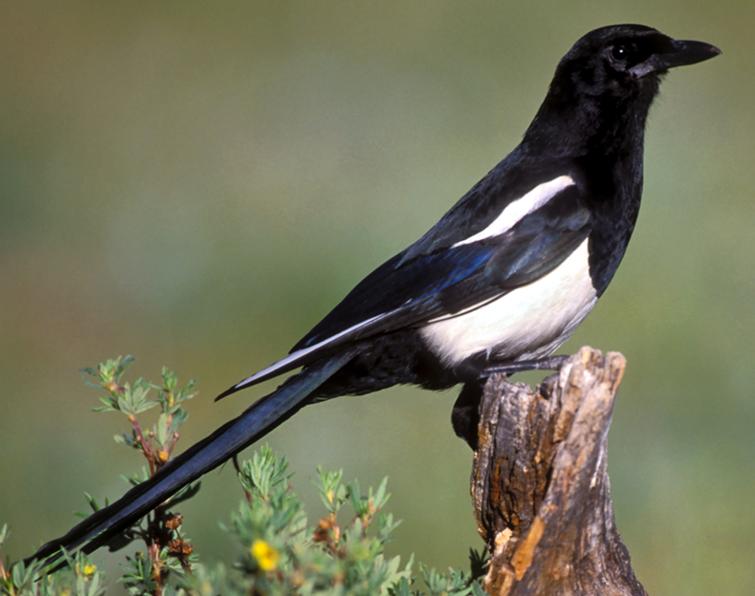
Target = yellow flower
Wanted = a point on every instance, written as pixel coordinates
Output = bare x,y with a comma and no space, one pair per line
265,555
89,569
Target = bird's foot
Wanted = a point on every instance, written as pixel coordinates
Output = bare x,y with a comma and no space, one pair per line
548,363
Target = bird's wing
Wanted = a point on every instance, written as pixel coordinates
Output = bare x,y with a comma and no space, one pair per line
517,182
405,293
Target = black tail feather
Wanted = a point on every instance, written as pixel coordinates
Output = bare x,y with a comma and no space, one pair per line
258,420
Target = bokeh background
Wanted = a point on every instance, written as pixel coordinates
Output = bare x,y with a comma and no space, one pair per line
197,183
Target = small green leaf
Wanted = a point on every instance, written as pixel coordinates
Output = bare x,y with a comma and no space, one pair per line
163,428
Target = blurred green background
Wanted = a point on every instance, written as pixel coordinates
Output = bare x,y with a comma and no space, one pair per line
197,183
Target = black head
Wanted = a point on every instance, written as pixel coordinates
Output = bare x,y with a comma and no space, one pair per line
609,78
620,59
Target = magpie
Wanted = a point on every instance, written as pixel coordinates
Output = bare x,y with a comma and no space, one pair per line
498,284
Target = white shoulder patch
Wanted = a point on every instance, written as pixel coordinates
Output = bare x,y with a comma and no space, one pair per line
520,207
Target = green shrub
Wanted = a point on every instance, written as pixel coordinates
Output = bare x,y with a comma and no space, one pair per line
279,550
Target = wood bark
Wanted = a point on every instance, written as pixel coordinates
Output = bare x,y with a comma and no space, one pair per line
540,484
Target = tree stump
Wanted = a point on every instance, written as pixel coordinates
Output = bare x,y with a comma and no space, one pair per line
540,486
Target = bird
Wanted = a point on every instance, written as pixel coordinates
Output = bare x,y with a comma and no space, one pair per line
496,285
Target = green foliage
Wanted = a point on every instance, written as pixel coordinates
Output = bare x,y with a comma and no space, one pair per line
279,550
80,577
134,398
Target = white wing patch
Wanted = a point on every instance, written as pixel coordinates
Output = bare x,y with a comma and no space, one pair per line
528,322
520,207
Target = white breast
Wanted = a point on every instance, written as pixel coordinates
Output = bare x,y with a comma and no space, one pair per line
529,322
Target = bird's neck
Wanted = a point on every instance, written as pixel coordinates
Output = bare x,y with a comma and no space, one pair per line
571,125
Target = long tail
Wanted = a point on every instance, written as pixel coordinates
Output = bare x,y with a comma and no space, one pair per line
258,420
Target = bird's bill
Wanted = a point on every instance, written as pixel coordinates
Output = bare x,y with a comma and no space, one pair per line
681,53
687,51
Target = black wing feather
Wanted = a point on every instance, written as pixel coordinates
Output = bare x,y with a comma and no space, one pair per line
389,288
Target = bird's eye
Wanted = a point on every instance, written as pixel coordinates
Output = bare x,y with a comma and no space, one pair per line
620,52
625,54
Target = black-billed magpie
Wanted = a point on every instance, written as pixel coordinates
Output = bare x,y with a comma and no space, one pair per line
497,284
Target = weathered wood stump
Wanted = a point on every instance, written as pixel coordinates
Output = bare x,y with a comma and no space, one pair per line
540,486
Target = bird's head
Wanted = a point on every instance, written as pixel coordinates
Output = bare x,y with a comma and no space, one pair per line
619,60
605,84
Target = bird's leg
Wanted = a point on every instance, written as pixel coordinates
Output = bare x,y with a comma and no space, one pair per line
465,417
547,363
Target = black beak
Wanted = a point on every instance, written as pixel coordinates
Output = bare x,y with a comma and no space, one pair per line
680,52
686,51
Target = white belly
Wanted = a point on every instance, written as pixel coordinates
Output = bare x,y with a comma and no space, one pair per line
529,322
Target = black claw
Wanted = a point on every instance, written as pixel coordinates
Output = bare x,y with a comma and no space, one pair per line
549,363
